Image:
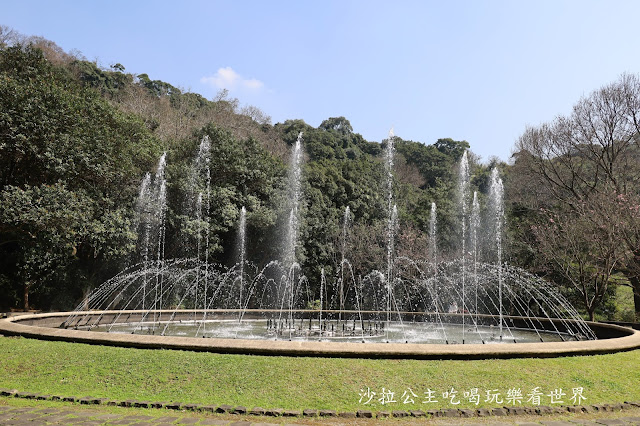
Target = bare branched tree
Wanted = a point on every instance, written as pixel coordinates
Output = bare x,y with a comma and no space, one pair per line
9,36
582,166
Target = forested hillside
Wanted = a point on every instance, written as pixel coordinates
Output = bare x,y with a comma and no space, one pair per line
77,139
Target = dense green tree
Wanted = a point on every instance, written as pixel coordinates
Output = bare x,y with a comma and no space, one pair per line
436,164
339,125
332,186
70,164
107,82
157,87
451,148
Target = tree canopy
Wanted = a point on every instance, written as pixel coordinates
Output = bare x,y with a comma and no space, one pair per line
580,174
69,169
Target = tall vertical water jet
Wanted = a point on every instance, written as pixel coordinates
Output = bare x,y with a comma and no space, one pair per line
162,211
161,203
159,176
242,252
475,227
207,231
197,208
202,171
151,206
346,224
295,192
198,245
143,215
323,285
151,211
201,178
463,188
289,258
389,157
433,252
433,244
393,227
496,198
142,210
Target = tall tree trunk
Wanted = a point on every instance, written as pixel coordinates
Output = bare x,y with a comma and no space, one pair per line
635,283
27,287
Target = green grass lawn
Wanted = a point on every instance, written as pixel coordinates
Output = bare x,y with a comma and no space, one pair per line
72,369
625,309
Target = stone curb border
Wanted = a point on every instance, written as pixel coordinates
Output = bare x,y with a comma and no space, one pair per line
279,412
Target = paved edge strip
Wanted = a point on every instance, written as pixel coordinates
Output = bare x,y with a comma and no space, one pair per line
279,412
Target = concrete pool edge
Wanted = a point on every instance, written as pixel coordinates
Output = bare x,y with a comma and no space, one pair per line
628,339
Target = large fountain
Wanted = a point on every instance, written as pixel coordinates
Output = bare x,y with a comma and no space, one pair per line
470,305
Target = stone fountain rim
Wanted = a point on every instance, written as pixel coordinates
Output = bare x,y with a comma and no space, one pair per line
629,341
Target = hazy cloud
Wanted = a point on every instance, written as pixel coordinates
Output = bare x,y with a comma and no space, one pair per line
227,78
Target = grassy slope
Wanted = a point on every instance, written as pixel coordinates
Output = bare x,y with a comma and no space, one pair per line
298,383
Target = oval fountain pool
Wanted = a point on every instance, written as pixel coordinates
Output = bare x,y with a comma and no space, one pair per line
461,306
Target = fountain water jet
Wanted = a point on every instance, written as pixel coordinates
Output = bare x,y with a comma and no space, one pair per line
475,226
242,243
346,223
269,302
391,212
295,193
496,194
150,212
464,200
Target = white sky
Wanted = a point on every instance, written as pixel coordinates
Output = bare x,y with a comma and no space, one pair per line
478,70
